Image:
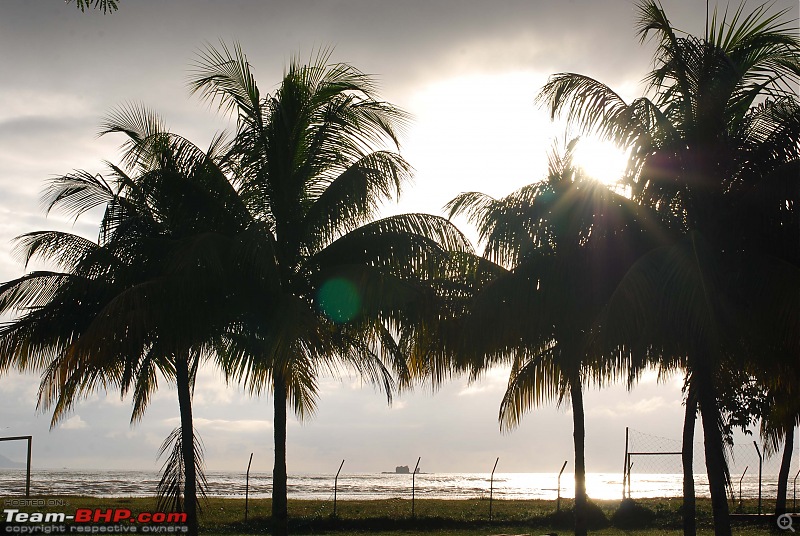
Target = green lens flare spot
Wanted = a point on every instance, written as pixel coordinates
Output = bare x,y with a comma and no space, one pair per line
339,299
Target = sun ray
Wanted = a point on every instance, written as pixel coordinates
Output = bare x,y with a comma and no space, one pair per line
601,160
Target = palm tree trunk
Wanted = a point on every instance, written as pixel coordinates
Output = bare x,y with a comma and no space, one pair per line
187,442
280,515
687,458
715,456
783,474
579,436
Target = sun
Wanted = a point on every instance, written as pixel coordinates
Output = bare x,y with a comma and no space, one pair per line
601,160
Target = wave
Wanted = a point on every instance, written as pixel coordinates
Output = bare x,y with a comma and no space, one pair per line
366,486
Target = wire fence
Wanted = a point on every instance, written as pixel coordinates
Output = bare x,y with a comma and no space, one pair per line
655,471
750,468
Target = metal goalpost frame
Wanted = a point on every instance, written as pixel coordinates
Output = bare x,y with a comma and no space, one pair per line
29,439
629,464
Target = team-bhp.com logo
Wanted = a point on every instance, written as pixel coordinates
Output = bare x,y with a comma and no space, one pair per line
97,520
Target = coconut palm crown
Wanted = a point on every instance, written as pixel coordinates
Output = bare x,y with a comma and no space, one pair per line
561,245
126,310
714,151
341,288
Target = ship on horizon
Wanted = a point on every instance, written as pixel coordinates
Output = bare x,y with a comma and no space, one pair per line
401,470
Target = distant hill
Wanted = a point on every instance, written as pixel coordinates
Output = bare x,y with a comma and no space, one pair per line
6,463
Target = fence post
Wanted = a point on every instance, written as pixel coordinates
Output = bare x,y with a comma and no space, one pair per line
630,464
558,495
413,487
794,492
740,487
625,465
760,462
335,487
28,472
491,487
247,488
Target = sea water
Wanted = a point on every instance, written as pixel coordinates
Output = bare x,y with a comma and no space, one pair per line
371,485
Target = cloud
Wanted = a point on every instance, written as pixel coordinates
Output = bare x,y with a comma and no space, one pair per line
641,407
493,382
244,426
477,389
212,390
648,405
122,434
468,71
74,423
399,405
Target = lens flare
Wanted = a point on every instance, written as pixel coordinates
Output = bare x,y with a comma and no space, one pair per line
339,300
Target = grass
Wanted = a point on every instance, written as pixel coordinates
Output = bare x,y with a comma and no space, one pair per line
392,517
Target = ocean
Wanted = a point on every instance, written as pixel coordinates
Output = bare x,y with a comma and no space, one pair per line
372,485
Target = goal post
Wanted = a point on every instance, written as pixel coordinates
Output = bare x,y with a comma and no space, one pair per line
29,439
635,449
656,464
629,464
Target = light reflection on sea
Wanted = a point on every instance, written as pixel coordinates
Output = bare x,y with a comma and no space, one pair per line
365,486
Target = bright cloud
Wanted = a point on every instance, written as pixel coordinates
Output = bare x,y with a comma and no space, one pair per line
245,426
74,423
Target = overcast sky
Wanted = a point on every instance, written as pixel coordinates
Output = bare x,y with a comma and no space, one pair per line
467,70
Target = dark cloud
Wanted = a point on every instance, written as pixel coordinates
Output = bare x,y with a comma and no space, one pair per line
148,44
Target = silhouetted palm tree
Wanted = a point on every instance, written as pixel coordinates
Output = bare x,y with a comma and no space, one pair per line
337,288
779,423
715,152
565,243
144,299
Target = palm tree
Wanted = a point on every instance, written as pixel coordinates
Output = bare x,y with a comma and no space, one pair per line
779,421
337,288
714,152
128,307
107,6
564,244
779,427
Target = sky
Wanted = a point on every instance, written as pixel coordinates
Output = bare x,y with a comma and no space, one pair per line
466,70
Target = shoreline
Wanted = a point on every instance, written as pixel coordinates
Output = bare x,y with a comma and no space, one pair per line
367,486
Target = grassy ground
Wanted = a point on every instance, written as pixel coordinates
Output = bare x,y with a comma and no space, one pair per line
393,517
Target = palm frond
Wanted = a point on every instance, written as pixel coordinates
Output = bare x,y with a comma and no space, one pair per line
31,291
342,202
595,108
145,379
63,249
223,75
139,124
402,244
534,379
77,193
171,487
107,6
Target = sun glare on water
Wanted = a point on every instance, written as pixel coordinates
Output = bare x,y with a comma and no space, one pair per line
601,160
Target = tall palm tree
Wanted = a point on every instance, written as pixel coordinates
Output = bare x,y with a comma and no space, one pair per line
563,244
715,151
778,427
126,308
338,288
779,422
